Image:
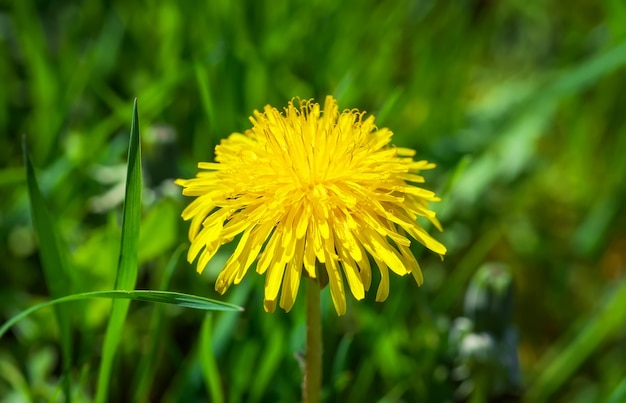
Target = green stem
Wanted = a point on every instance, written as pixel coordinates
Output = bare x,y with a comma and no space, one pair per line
479,394
313,358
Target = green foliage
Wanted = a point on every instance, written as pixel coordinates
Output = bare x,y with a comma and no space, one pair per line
164,297
520,104
128,261
58,278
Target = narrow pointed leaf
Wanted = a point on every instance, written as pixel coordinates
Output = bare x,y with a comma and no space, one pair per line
210,371
127,267
556,369
164,297
53,261
144,376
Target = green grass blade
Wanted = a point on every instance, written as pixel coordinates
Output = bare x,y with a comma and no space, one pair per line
269,366
619,393
53,262
389,105
207,360
598,327
147,367
46,118
205,92
164,297
127,267
11,373
202,144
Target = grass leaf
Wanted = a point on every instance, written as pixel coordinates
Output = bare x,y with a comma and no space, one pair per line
147,364
53,261
209,365
557,368
164,297
128,260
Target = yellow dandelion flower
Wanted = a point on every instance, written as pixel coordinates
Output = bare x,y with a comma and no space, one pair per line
310,190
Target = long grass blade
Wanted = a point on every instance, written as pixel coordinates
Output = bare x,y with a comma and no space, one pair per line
203,143
53,263
163,297
127,267
147,368
47,115
597,329
207,360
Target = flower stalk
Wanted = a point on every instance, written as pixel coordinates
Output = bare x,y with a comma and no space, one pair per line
312,382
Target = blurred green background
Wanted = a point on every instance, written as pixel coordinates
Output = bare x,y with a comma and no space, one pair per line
520,104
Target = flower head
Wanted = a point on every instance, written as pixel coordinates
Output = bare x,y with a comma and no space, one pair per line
310,192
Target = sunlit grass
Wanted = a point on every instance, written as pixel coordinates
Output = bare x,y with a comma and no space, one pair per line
519,104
